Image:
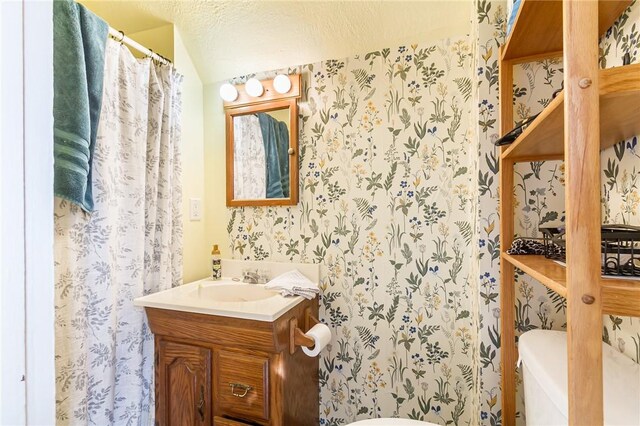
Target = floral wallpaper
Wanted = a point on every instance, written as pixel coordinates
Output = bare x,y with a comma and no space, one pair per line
540,193
386,207
490,34
620,172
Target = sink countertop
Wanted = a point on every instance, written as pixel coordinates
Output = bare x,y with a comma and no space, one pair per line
205,297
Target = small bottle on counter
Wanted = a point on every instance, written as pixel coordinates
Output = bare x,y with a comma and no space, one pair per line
216,263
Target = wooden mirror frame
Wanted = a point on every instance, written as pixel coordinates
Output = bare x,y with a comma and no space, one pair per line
269,101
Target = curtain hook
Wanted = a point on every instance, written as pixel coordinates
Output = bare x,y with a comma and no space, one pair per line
121,36
155,57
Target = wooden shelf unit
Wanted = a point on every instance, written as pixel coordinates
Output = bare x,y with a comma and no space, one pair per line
619,118
597,109
537,29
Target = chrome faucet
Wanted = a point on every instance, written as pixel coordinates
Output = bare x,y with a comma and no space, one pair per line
250,276
255,276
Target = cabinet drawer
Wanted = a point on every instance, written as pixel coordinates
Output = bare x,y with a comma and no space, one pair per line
243,384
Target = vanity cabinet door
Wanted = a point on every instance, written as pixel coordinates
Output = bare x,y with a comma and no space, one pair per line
183,384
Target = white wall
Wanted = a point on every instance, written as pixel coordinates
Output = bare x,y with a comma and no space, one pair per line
197,243
12,349
38,184
214,174
27,378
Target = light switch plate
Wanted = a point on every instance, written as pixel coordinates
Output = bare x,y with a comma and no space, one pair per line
195,209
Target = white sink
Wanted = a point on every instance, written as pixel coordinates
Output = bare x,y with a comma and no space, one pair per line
224,298
232,292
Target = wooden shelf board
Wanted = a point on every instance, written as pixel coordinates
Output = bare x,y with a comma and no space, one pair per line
619,118
548,272
619,296
537,29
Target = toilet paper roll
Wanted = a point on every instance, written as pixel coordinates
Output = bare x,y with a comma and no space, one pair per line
321,335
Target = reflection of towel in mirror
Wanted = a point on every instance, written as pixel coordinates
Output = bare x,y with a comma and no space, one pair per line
249,169
283,155
270,132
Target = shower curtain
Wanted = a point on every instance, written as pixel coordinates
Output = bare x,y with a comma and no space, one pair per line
130,246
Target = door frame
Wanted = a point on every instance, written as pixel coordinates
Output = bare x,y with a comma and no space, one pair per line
27,370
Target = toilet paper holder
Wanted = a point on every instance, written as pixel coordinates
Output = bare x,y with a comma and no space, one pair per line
296,336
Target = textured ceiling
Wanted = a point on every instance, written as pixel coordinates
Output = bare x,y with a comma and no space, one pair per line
230,38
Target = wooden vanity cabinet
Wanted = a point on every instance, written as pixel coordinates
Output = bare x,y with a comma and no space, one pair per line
221,371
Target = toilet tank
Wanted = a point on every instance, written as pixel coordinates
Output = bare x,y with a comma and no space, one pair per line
543,354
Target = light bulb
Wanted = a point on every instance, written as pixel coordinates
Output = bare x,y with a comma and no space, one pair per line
228,92
254,88
282,83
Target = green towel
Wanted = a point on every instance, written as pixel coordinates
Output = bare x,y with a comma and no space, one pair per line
268,126
283,155
79,40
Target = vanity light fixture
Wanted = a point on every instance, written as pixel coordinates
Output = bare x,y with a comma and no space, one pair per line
254,88
228,92
282,83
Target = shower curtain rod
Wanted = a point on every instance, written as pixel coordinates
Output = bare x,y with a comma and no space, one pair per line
120,37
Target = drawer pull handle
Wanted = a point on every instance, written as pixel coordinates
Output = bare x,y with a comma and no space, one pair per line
244,389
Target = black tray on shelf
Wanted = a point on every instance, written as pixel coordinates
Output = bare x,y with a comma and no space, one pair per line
620,248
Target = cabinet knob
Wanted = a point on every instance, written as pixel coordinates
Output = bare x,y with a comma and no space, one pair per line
243,389
291,151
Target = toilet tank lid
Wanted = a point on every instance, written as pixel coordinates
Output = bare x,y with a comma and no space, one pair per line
544,353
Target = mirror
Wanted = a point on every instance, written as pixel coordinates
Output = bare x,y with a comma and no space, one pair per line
262,150
261,155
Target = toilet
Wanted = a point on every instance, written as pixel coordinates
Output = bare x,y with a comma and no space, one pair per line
391,422
543,356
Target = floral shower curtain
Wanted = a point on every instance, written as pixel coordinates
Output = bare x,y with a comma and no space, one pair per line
131,245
